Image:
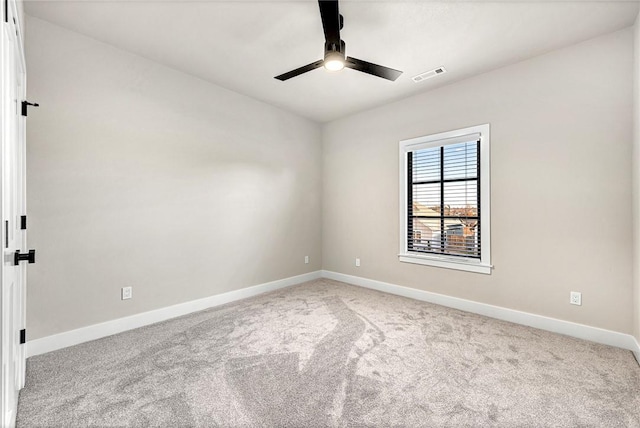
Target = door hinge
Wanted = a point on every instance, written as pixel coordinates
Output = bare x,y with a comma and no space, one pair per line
25,106
23,336
23,222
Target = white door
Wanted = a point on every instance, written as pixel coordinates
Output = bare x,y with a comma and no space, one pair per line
13,207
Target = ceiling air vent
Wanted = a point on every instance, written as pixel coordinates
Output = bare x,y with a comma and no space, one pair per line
428,74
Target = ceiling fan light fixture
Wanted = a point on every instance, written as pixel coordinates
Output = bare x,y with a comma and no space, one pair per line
334,65
334,61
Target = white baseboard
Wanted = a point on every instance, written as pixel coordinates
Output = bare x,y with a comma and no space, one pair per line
636,350
580,331
97,331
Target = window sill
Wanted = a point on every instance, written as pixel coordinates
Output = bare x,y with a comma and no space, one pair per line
447,263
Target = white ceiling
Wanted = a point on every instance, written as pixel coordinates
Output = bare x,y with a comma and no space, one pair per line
242,45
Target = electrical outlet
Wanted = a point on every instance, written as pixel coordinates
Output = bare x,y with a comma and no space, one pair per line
127,293
575,298
306,260
357,262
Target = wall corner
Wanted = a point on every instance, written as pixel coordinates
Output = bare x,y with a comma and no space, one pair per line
635,167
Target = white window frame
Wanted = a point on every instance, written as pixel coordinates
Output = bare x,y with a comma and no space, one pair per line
444,261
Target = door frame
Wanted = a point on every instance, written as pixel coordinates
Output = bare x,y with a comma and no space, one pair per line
8,405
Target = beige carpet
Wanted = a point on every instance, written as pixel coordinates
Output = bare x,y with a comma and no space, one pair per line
328,354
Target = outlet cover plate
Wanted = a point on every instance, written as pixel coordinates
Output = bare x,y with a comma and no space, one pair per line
127,293
575,298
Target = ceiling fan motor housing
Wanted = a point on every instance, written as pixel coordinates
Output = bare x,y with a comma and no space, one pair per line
333,51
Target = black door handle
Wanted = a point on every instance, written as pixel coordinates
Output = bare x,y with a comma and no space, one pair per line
30,257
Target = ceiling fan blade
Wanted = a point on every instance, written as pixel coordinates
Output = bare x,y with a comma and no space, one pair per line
330,20
299,71
371,68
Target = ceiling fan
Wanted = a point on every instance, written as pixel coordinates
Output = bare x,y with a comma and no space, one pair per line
334,49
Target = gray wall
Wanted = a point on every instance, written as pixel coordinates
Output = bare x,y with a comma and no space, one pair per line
561,127
636,180
141,175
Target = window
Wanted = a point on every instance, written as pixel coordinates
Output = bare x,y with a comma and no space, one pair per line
444,200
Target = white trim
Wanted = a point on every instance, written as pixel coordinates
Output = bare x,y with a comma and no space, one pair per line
483,132
636,350
446,262
97,331
568,328
20,35
442,139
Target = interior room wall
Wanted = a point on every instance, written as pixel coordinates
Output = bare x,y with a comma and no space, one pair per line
561,132
142,176
636,180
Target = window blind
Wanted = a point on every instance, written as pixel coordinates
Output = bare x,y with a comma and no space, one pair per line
443,203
